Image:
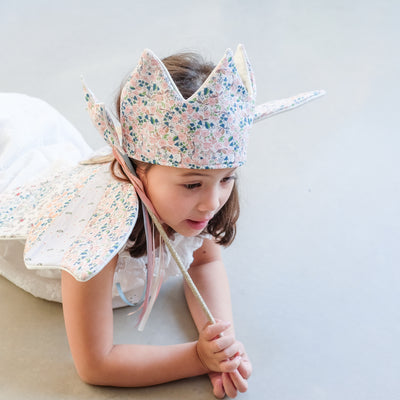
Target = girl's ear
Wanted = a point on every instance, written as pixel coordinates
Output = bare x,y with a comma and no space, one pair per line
142,174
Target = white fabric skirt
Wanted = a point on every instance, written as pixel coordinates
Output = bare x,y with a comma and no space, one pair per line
35,140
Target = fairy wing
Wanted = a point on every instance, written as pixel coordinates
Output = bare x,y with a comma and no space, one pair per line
17,211
81,219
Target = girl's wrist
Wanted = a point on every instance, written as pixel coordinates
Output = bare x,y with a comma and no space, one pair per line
201,363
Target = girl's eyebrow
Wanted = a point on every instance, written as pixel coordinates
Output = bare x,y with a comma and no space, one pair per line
186,174
198,173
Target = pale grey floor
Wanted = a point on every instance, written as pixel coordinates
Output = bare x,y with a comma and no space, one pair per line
315,268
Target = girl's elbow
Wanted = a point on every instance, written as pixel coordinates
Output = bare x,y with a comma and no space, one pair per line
91,376
92,372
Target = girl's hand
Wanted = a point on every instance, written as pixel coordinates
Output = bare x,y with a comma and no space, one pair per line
217,349
231,383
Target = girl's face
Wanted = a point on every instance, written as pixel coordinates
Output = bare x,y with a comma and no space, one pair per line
187,199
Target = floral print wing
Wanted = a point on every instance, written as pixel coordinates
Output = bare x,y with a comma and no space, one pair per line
83,222
17,210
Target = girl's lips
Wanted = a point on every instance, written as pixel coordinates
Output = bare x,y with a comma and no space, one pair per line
197,225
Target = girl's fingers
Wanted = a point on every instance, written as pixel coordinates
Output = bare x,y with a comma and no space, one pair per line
216,381
239,382
229,387
222,343
210,332
228,353
245,369
230,365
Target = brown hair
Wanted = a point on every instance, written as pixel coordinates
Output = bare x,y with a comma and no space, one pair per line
189,71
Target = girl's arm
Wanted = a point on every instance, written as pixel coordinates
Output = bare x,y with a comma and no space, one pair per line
209,275
88,318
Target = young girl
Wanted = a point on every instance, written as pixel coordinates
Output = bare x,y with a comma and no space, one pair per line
180,135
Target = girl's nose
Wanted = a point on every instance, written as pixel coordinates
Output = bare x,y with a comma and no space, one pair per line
209,201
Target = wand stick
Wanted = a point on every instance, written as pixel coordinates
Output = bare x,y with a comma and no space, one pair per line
185,274
138,185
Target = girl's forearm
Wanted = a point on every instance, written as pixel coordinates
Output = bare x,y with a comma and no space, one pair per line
212,282
88,318
139,365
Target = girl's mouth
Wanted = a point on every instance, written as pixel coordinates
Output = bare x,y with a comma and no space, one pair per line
197,225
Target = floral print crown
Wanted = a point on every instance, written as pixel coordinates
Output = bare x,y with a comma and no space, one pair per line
209,130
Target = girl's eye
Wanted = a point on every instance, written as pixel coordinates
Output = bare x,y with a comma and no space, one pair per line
191,186
228,179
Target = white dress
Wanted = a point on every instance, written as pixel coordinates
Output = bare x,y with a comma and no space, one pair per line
39,151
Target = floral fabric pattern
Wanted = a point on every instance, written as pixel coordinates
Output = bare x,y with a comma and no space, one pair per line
207,130
78,221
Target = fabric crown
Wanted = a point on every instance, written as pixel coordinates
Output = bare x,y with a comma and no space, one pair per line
209,130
